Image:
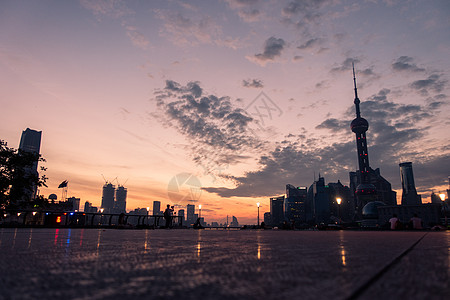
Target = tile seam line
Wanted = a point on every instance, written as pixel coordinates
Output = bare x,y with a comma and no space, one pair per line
356,294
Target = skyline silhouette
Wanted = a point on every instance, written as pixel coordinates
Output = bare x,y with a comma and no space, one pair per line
147,91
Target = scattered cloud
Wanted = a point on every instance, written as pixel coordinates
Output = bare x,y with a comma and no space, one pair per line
248,10
405,63
182,30
252,83
333,124
302,7
434,83
303,12
110,8
137,38
117,9
217,131
345,65
311,43
272,48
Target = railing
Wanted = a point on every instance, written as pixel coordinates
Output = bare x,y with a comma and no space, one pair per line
85,219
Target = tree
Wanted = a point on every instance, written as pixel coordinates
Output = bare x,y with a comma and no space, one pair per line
17,178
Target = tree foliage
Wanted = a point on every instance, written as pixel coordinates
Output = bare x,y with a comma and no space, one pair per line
17,178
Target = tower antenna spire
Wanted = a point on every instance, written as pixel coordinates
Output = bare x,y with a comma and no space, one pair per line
357,101
354,80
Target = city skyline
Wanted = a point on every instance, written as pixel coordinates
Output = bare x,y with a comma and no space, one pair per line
247,96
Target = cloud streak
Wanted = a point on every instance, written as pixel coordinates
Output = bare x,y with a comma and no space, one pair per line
272,49
405,63
252,83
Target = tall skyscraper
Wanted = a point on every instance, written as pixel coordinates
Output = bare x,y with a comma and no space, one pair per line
108,197
156,208
87,206
75,203
120,204
367,183
181,214
409,193
190,214
318,202
346,209
294,204
30,141
234,222
277,210
267,218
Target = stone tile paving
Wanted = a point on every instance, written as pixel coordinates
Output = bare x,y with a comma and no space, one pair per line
188,264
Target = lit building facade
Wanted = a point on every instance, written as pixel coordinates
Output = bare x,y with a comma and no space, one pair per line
294,204
277,210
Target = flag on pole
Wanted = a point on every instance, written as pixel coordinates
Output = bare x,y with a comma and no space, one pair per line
63,184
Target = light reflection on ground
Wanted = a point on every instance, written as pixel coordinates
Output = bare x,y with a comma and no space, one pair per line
190,264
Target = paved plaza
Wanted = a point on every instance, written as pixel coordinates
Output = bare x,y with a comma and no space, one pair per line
40,263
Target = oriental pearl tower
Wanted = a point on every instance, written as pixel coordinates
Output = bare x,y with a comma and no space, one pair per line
365,191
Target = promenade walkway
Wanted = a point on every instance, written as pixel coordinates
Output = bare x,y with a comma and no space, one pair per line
39,263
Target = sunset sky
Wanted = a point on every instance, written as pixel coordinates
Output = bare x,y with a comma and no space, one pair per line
245,95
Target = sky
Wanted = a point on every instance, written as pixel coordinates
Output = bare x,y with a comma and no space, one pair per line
223,103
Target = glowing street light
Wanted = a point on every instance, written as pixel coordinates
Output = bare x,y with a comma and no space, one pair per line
339,200
258,204
200,211
148,209
442,196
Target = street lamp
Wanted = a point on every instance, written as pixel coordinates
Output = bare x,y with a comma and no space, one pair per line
148,209
339,200
101,216
442,196
200,211
258,204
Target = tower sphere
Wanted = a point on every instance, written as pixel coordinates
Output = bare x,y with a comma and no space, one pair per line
359,125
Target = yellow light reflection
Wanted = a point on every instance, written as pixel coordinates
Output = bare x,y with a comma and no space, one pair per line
146,241
259,252
199,247
342,248
98,240
30,238
343,256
